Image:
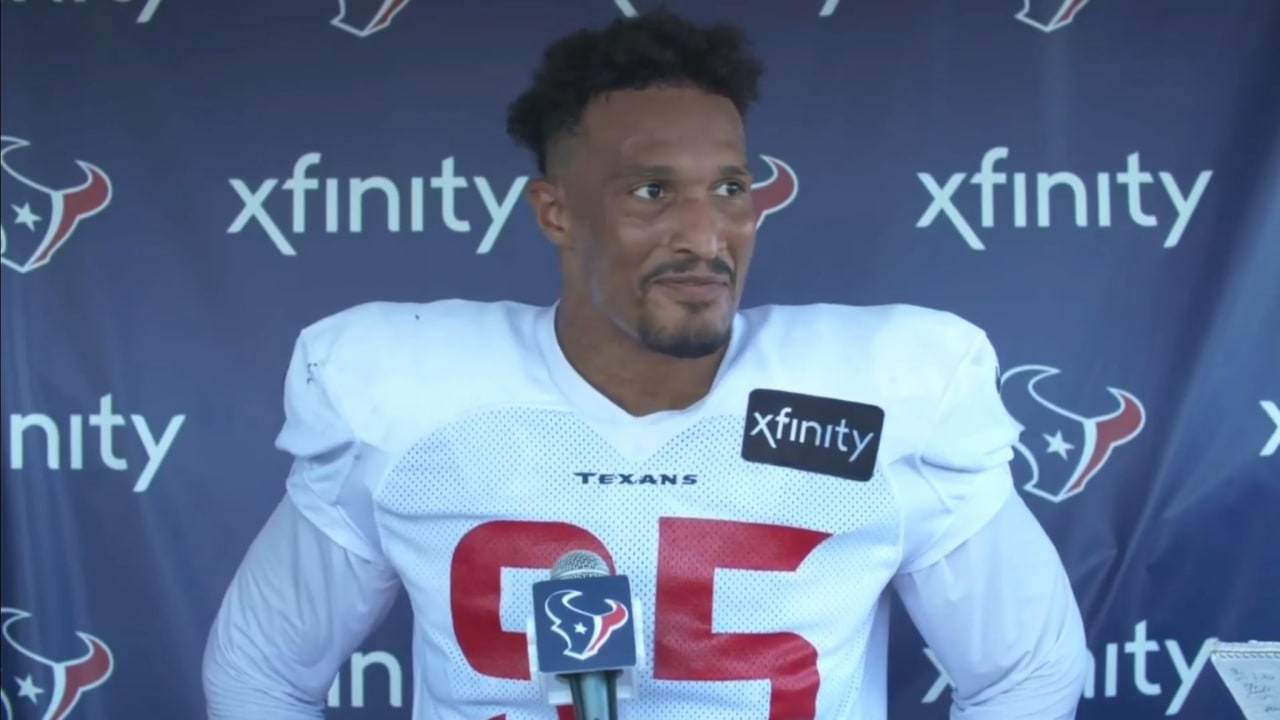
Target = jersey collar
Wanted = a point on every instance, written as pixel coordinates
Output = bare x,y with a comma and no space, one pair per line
588,401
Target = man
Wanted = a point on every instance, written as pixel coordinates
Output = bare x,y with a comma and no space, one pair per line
443,446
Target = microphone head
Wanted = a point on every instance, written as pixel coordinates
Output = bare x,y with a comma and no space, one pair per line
579,564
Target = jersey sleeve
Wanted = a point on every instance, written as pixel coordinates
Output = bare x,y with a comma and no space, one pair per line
961,477
296,609
314,583
334,472
1000,616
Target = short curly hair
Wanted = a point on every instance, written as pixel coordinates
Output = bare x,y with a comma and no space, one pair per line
657,48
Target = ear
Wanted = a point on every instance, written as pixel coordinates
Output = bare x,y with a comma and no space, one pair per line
547,199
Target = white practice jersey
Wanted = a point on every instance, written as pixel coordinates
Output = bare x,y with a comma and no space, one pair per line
449,448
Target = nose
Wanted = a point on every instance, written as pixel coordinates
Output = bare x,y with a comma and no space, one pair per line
698,228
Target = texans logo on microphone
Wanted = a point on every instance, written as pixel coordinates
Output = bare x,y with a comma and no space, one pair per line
38,220
584,633
1060,451
33,685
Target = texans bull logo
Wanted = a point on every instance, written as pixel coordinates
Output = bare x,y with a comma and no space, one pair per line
363,18
1044,15
771,195
43,219
1060,451
47,689
629,9
584,633
1049,15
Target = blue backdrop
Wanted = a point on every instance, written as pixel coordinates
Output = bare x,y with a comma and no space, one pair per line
185,185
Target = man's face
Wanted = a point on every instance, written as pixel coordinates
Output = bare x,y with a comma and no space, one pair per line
659,226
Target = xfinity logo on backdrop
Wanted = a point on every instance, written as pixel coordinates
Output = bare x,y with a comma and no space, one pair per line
378,204
1018,199
1113,676
148,9
1273,413
63,441
388,683
812,434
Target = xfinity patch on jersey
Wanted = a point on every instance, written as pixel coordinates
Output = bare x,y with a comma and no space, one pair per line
812,434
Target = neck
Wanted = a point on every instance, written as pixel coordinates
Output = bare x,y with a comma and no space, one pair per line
633,377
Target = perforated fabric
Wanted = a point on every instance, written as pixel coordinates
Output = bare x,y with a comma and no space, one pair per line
483,457
693,505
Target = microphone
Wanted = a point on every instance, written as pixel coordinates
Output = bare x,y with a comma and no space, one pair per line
584,636
595,693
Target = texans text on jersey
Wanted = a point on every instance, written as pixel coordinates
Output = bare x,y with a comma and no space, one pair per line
592,478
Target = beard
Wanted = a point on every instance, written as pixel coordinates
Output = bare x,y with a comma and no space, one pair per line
692,339
698,332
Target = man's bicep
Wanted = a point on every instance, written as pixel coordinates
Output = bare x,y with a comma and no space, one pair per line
960,478
297,607
334,470
999,614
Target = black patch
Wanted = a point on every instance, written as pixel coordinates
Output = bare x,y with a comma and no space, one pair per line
813,434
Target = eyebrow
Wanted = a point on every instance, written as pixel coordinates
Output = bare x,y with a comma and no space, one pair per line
668,171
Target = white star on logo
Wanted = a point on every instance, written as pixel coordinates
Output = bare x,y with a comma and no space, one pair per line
580,629
27,688
1058,445
25,216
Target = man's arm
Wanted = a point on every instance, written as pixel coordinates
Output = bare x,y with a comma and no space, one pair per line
999,614
980,579
299,605
315,582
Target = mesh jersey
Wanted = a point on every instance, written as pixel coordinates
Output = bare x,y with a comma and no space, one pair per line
452,442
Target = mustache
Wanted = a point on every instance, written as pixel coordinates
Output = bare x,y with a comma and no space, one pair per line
716,266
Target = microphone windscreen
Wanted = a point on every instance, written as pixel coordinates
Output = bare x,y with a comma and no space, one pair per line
578,564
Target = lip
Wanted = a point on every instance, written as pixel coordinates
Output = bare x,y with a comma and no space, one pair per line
693,287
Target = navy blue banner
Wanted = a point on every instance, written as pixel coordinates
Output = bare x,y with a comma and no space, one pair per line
185,185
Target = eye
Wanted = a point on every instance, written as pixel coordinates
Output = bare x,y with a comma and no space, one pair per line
733,187
648,191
